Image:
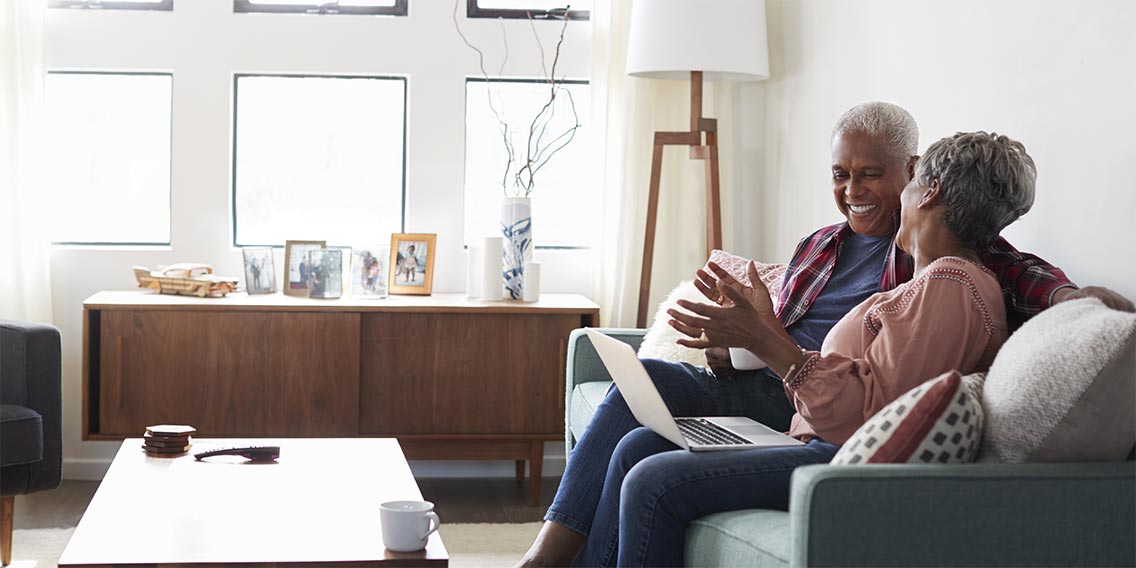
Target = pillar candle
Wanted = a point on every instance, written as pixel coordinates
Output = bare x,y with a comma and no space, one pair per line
532,281
492,273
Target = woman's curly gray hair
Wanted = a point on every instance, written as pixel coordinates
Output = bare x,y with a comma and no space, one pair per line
887,123
986,180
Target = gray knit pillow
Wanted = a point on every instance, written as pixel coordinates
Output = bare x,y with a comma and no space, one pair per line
1063,388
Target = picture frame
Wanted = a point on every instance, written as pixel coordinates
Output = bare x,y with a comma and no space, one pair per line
412,268
326,273
260,270
296,270
370,272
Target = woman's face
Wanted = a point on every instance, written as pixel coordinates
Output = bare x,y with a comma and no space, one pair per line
866,183
911,216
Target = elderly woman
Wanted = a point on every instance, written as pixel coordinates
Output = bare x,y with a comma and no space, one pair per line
832,271
950,316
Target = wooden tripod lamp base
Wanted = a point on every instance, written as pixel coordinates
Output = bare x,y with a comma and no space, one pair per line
699,150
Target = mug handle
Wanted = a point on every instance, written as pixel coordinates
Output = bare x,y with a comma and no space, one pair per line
432,523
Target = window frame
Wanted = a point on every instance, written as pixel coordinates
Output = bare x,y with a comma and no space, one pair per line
405,141
169,183
465,149
472,10
320,9
162,6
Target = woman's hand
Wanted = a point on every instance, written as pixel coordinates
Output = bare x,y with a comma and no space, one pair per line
743,315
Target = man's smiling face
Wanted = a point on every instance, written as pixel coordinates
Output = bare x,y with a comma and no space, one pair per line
866,182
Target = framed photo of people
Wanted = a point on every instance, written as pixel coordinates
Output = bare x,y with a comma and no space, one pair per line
297,267
370,272
260,270
412,263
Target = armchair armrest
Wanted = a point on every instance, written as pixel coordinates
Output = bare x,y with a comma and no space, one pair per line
1077,514
31,377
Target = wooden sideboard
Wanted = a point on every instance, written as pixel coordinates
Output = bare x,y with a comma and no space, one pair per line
449,377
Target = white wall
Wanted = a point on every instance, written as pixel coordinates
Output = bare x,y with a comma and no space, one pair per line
203,44
1056,75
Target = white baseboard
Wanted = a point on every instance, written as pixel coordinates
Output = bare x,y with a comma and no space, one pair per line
95,469
85,469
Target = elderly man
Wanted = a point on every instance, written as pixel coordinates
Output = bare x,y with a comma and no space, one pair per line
832,271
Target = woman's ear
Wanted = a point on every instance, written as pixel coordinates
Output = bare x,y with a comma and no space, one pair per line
931,195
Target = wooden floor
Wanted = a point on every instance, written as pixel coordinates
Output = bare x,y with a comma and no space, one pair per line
457,500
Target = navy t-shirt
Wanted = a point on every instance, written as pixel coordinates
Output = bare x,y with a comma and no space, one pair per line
859,267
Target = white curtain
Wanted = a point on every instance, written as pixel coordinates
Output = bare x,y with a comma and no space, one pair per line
25,254
628,111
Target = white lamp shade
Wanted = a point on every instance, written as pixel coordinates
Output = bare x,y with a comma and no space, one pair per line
725,39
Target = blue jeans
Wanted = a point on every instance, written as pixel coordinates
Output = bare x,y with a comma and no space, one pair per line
654,490
687,391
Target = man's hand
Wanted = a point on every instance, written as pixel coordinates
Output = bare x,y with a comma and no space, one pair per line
718,358
1108,297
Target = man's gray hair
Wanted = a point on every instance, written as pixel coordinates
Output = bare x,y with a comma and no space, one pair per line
986,180
889,124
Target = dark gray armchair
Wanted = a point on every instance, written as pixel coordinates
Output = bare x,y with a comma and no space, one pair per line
31,417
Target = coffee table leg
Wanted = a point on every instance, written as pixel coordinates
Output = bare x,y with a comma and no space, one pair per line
536,461
520,470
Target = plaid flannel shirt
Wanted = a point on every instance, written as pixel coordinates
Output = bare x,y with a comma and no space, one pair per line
1028,282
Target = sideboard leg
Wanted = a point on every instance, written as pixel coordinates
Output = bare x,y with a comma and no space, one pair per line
536,461
520,471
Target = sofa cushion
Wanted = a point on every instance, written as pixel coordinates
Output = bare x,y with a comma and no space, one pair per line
939,421
660,341
21,435
748,538
585,398
1063,388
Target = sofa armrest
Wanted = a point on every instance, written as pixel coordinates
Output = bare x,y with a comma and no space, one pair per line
584,365
1078,514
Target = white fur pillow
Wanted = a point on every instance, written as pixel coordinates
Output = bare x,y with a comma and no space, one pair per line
1063,388
659,343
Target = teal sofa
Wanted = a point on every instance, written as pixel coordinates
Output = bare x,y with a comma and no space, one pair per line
1076,514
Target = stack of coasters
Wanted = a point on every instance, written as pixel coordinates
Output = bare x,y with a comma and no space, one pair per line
167,440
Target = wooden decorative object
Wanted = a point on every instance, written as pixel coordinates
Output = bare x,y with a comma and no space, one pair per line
699,150
187,279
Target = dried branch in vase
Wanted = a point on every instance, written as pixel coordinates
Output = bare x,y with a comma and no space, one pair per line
523,163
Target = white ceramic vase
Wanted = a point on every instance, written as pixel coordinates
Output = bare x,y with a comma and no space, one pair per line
516,228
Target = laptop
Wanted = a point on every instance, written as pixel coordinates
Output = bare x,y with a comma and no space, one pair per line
698,434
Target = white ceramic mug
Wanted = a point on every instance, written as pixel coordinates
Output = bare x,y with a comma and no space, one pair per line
744,360
407,524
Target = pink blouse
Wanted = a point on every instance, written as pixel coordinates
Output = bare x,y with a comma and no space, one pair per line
950,316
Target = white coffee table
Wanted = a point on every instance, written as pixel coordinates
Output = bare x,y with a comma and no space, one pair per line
318,505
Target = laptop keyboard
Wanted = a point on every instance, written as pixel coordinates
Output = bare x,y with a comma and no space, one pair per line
703,431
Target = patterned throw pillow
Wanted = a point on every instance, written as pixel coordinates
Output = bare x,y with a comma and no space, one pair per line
939,421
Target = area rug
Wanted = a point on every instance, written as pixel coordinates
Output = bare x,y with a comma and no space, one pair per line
471,545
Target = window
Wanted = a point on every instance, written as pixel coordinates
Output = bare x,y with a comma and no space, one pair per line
356,7
521,9
564,198
109,156
163,5
318,157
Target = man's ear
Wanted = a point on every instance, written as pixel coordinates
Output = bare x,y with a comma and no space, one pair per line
931,195
911,167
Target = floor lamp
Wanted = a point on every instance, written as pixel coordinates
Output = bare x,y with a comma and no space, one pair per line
714,40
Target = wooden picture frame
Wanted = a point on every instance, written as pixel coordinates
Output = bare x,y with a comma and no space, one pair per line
295,255
412,269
